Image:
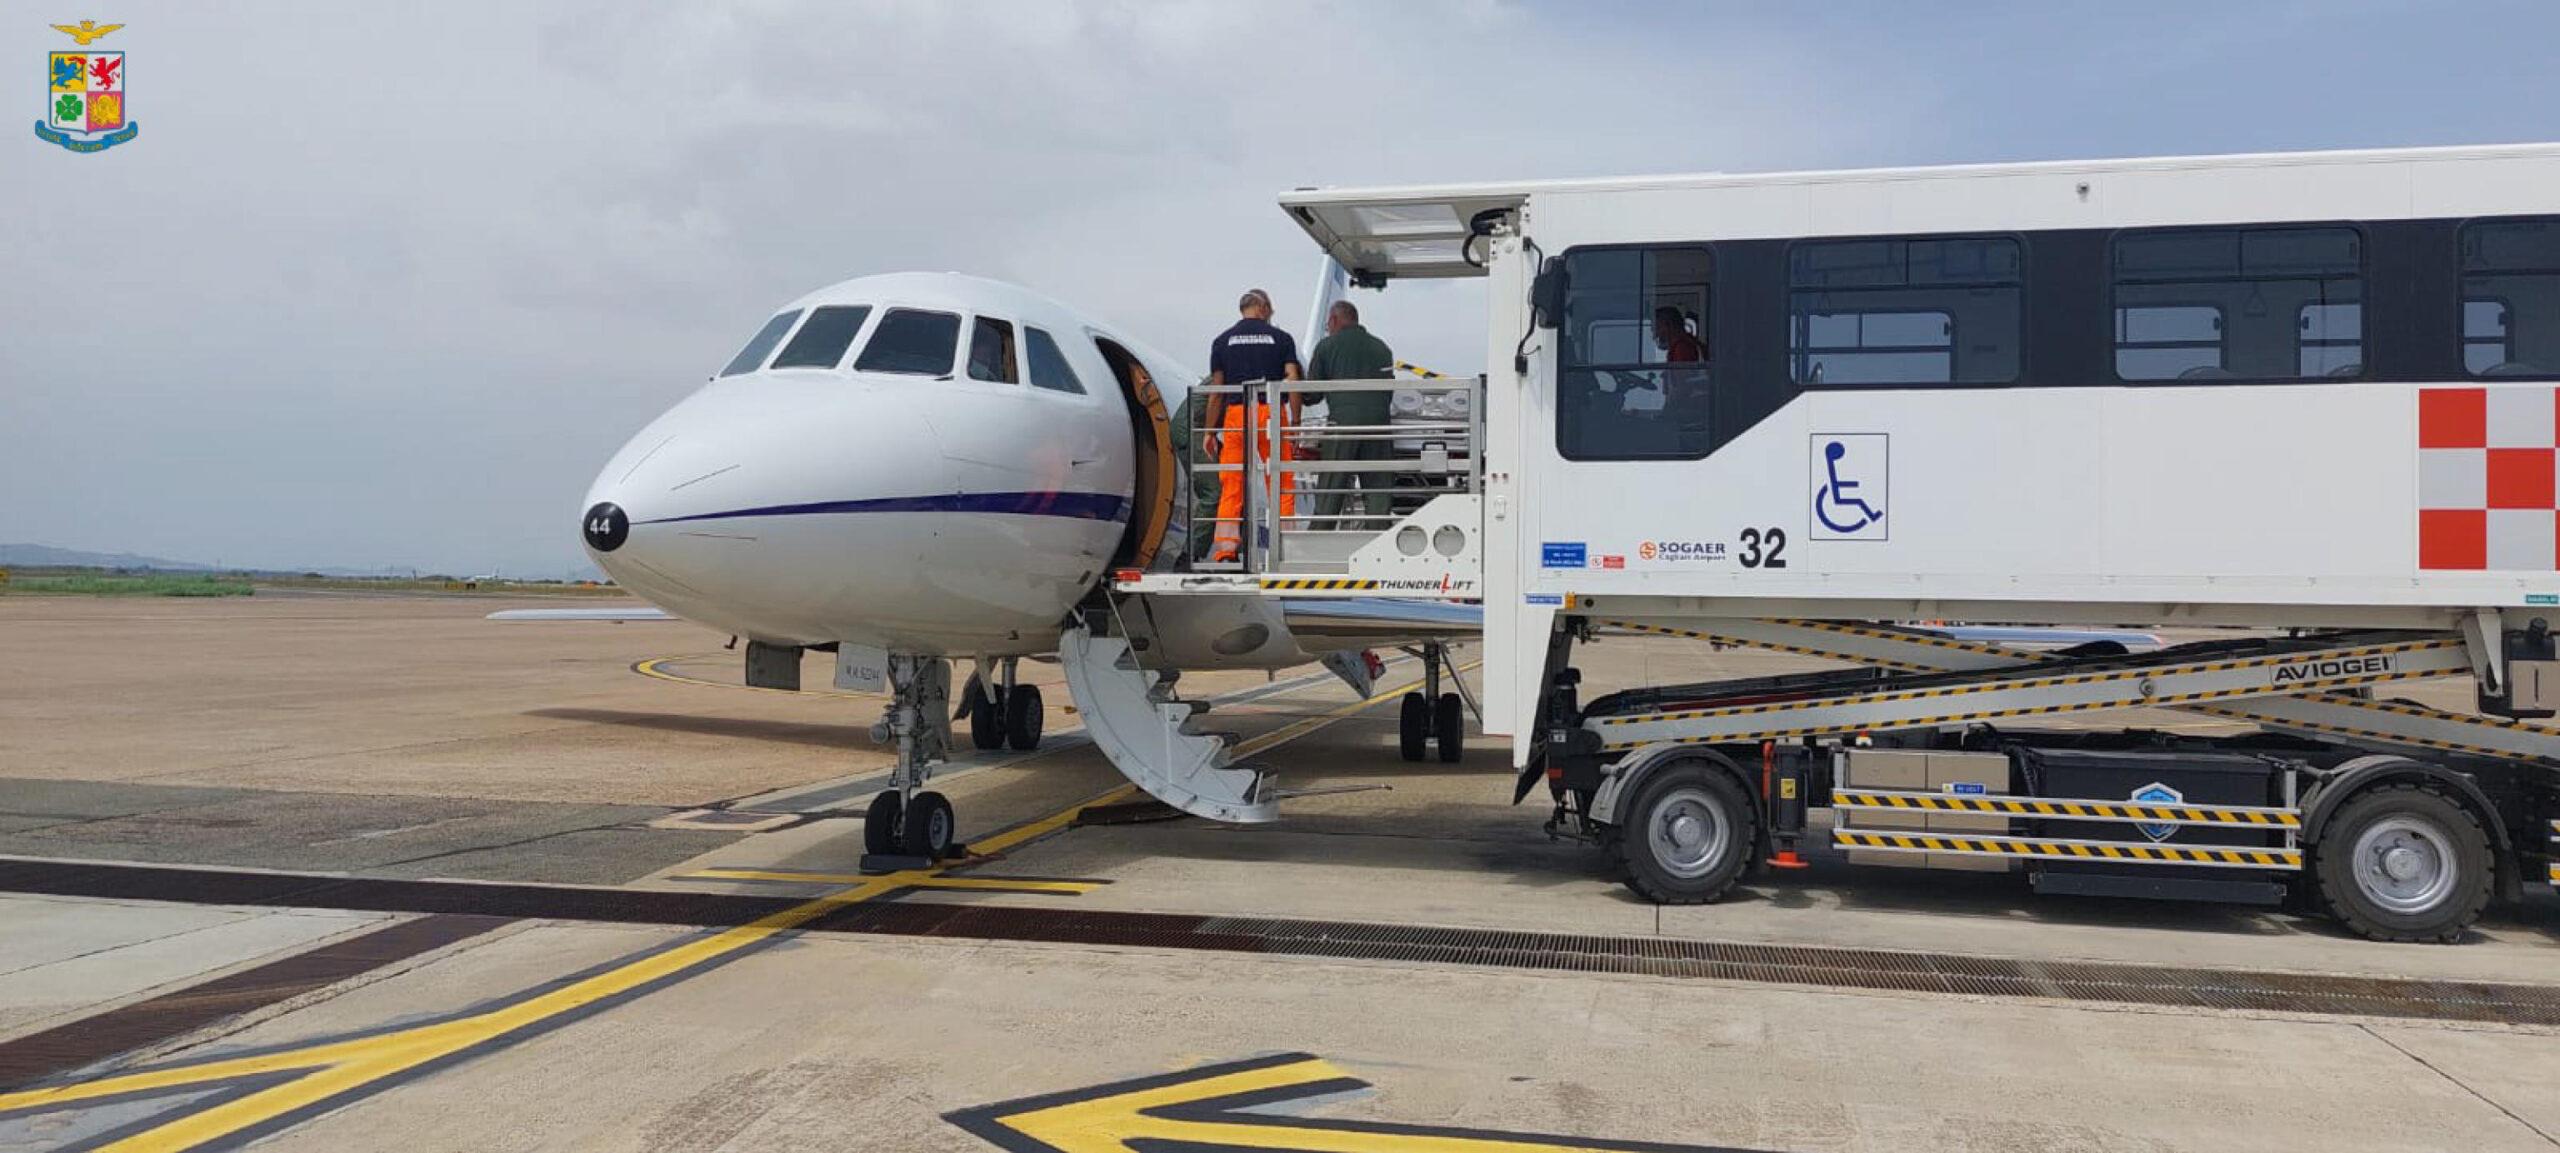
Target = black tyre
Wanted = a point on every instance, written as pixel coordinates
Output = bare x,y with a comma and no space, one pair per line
1413,726
1449,727
1687,835
880,823
1023,718
986,719
2404,862
926,830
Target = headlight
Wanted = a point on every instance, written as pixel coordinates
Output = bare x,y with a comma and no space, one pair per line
1408,401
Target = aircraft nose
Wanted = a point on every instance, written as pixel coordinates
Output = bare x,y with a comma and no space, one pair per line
728,499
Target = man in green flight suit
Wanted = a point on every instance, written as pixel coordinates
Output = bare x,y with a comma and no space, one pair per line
1348,352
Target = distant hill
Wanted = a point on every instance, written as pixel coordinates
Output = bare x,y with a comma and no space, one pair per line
39,555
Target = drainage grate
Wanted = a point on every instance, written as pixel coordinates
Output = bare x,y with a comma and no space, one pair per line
2199,988
31,1058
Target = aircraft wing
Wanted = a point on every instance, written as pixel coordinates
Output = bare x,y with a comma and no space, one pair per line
612,616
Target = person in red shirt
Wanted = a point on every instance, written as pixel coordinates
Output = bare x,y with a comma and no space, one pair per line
1672,337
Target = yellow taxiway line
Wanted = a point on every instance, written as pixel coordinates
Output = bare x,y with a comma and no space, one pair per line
319,1076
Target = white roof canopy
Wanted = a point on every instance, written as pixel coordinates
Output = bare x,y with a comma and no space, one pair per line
1388,233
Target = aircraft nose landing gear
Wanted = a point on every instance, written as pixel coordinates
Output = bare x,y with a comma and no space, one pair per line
909,827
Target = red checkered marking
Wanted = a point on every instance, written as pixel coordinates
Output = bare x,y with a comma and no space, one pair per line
2489,478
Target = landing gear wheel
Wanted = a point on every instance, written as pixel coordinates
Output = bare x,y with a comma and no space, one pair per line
1413,726
926,830
986,717
1022,718
1688,834
1449,727
880,823
2404,862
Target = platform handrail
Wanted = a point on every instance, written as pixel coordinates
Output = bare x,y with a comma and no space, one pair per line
1446,460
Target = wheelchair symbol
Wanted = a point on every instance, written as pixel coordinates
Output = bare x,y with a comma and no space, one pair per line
1836,502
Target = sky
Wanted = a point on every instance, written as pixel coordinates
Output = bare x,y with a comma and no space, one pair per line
383,285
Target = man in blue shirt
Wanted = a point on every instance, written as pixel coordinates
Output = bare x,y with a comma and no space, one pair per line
1252,349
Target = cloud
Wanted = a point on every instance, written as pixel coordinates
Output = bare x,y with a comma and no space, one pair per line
385,284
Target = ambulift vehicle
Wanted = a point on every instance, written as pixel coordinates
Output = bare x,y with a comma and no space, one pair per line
2309,396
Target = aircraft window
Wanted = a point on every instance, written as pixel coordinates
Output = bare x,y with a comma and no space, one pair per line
1636,367
911,341
752,356
1890,311
2285,303
1049,367
821,342
2511,297
991,351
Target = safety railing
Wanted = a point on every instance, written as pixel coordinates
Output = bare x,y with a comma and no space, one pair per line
1330,487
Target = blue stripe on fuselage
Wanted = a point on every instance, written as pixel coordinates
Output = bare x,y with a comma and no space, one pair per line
1075,505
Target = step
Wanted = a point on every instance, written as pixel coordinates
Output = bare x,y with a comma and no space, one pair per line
1148,738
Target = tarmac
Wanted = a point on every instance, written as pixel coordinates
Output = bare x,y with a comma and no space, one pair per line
431,882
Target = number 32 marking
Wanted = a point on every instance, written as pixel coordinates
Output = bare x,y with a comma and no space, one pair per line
1753,540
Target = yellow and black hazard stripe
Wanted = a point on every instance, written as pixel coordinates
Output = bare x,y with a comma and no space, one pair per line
1317,584
1758,643
1418,370
1998,683
2069,850
2235,815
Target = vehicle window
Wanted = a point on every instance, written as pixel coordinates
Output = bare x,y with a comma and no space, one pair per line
821,342
2167,341
2511,297
2331,340
1049,367
991,351
1636,357
911,341
752,356
2284,303
1936,310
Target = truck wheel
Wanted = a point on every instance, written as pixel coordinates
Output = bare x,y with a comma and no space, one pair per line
2404,862
1413,726
1688,835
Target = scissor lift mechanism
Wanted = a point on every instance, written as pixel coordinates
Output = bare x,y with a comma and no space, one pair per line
1918,685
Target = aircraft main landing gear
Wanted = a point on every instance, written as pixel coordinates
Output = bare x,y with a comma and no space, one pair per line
1002,712
1431,716
909,826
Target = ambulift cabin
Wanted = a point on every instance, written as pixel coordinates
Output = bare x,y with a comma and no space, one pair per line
2307,396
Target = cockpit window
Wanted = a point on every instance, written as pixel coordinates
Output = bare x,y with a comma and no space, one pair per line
821,342
752,356
991,351
1049,368
911,341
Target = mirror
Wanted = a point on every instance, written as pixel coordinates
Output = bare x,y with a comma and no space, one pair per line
1546,293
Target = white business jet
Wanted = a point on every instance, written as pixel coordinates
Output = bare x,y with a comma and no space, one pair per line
914,468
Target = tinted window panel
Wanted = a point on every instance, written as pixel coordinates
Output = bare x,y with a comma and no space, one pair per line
2511,297
2282,304
821,342
752,356
991,351
1938,310
911,341
1637,380
1049,367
